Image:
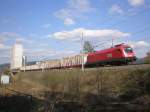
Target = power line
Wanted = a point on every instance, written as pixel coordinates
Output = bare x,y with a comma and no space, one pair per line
123,21
144,39
135,33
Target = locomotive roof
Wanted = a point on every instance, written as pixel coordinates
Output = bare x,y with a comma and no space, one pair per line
109,49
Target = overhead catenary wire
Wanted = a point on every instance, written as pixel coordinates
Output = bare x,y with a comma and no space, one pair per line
123,21
129,13
126,19
102,44
135,33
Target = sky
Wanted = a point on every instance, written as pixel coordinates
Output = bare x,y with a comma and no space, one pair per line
51,29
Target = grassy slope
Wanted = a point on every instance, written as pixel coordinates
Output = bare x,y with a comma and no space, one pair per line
90,87
96,81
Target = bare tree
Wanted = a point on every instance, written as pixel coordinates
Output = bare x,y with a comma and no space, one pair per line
147,58
88,47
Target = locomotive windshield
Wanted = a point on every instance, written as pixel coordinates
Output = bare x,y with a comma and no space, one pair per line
128,50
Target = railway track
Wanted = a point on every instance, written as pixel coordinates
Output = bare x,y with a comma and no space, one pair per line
123,67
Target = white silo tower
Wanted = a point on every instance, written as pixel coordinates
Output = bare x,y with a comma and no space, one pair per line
16,56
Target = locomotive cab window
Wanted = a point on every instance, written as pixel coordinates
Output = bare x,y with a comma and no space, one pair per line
128,50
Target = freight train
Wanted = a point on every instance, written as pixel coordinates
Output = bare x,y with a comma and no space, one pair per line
121,54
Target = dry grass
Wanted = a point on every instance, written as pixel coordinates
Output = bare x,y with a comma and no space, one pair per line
92,88
95,81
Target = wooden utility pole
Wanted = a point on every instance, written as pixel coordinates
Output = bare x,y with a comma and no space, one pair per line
24,63
82,52
112,42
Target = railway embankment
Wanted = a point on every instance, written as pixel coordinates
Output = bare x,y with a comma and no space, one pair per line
118,88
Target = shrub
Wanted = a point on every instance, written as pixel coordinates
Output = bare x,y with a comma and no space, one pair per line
136,84
147,58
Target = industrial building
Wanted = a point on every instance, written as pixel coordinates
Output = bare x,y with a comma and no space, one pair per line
16,56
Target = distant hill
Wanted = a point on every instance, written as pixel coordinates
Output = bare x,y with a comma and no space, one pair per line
7,65
4,66
31,63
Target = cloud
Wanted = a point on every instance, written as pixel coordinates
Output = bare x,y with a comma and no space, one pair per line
46,25
41,54
4,46
139,44
140,48
69,21
89,34
23,40
74,9
1,46
115,9
4,53
136,2
8,35
80,5
11,36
